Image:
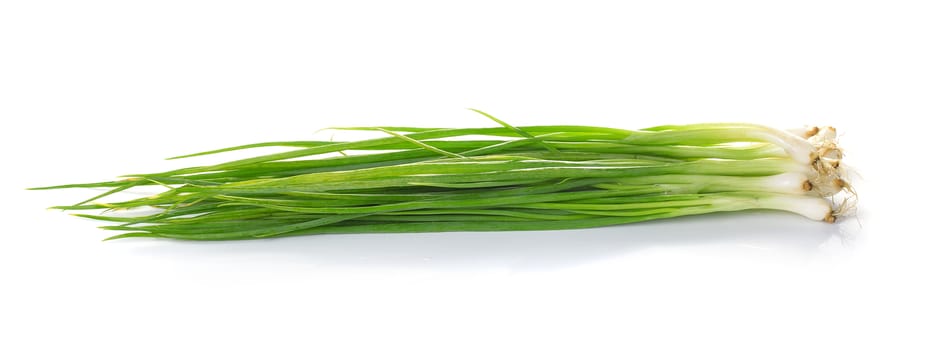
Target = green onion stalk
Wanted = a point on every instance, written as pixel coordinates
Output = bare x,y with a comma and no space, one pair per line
412,179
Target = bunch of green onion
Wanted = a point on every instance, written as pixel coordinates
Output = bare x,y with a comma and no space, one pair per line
484,179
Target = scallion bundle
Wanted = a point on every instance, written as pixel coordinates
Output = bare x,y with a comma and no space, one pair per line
484,179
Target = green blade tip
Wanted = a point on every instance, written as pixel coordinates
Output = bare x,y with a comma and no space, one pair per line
131,235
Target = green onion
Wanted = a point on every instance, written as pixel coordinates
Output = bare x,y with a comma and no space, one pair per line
412,179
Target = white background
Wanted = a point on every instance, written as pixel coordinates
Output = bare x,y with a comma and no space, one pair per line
93,89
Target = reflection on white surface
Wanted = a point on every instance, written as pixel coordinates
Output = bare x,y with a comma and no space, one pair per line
772,233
